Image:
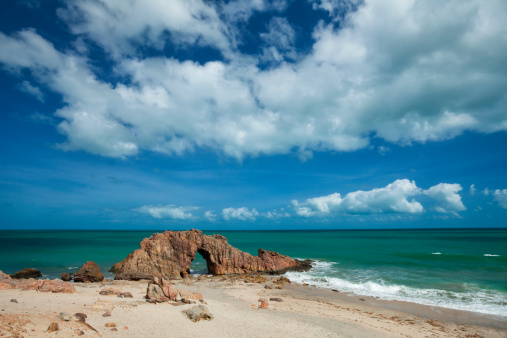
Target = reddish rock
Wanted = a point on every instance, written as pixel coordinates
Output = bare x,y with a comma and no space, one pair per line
109,292
89,272
170,254
264,303
170,290
44,285
155,293
190,295
53,327
67,277
26,274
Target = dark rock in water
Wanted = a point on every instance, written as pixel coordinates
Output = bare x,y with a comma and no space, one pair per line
169,255
27,273
89,272
67,277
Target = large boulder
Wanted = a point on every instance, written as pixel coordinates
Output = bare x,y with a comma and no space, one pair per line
89,273
170,254
27,273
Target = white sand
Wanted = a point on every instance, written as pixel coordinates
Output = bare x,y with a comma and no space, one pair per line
303,313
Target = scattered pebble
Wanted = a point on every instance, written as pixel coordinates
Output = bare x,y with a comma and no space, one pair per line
111,324
264,303
106,314
14,301
64,316
276,299
53,327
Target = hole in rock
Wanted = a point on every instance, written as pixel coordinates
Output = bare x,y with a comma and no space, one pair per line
199,265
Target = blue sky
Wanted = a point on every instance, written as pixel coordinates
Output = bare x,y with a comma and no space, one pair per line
310,114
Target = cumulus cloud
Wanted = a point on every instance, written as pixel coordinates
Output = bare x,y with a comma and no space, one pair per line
397,197
242,214
170,211
401,70
501,197
447,196
120,26
391,199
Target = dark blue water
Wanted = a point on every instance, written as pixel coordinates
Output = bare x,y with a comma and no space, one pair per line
460,268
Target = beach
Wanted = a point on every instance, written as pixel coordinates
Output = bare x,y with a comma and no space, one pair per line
304,311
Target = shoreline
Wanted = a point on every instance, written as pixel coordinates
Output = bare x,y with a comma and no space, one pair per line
234,302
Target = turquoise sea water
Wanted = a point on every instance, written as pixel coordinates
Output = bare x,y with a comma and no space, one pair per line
460,268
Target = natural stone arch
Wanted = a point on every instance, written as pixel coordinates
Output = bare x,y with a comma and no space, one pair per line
170,254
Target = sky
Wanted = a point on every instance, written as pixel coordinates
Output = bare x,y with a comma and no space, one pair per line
253,114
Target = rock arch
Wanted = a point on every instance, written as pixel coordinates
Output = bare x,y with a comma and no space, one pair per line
170,254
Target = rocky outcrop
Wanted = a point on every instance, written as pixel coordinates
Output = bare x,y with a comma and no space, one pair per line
170,254
89,273
27,273
43,285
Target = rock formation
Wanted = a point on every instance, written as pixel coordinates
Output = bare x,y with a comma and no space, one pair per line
170,254
27,273
44,285
89,273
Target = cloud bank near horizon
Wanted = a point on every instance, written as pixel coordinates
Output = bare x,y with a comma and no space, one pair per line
398,197
402,71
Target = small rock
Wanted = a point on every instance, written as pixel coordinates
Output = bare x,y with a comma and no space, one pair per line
80,317
126,295
335,290
125,327
361,299
64,316
67,277
80,332
111,324
53,327
106,314
197,313
264,303
276,299
267,286
114,329
89,273
14,301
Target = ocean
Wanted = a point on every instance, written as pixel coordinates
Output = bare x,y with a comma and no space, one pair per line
463,269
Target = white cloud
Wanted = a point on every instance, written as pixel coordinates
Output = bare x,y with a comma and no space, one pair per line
279,40
26,87
118,26
242,214
472,189
447,196
402,70
501,197
210,216
170,211
390,199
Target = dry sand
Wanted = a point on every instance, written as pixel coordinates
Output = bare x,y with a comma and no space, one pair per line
304,312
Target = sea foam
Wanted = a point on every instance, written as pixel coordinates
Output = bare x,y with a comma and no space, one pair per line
471,299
